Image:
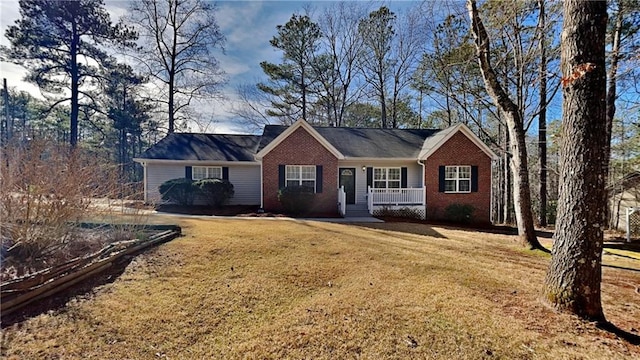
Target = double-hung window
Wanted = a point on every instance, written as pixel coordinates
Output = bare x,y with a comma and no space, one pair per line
301,175
457,179
206,172
386,178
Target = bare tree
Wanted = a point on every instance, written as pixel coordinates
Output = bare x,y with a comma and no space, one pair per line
574,276
377,31
178,40
406,51
513,116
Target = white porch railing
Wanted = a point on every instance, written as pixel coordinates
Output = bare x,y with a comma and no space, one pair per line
342,201
406,196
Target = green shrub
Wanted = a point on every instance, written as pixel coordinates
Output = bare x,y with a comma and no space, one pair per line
459,213
181,191
296,200
216,192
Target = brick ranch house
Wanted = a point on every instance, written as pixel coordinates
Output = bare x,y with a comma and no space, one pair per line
353,170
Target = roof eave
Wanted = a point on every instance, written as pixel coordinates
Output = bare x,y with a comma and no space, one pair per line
196,162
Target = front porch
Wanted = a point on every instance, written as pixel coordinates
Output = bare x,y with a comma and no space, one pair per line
389,201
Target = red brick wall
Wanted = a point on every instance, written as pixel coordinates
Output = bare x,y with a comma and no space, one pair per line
300,148
459,150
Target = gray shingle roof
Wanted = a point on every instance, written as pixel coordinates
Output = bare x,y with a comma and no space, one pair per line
351,142
212,147
365,142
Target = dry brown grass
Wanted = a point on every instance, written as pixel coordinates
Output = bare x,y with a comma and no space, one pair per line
301,289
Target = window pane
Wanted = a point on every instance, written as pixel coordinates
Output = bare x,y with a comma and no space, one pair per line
451,172
379,184
394,184
308,172
309,183
379,174
215,172
394,174
292,183
464,172
293,172
464,186
198,172
450,185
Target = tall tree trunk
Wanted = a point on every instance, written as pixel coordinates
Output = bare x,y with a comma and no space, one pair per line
303,88
612,82
75,79
171,104
515,126
542,118
574,277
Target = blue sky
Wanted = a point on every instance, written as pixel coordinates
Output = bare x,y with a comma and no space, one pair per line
247,25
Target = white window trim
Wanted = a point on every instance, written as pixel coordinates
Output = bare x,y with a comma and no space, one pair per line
208,170
300,179
457,179
386,178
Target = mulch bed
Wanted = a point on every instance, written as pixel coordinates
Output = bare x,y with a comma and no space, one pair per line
229,210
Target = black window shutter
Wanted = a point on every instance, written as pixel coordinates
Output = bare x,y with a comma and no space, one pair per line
474,179
403,177
318,179
188,172
225,173
441,179
281,176
370,176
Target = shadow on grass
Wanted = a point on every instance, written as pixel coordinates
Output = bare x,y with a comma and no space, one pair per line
405,227
81,290
622,334
628,246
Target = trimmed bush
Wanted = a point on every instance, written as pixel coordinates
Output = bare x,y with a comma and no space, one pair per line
459,213
296,200
181,191
216,192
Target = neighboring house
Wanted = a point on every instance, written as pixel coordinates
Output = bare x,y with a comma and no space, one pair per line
351,169
623,195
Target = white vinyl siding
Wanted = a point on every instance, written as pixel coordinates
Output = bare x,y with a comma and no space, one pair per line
246,185
159,173
245,180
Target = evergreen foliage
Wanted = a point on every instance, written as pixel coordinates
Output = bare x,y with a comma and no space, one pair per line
215,192
296,200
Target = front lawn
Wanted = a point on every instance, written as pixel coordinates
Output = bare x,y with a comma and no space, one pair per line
276,289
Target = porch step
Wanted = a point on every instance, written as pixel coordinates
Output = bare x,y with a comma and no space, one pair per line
357,210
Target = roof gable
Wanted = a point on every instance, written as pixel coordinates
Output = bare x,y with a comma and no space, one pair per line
433,143
265,147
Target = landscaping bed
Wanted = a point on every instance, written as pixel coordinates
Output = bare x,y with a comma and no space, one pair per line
93,249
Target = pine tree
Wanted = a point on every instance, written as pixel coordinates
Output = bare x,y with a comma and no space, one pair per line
62,45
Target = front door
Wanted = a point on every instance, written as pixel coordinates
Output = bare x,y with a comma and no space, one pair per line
348,180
